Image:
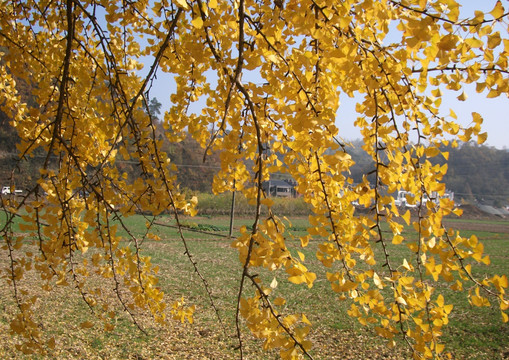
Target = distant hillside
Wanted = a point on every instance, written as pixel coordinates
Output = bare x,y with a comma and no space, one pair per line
479,173
475,173
193,173
13,171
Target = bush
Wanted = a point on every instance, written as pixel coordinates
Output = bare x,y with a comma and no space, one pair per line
209,204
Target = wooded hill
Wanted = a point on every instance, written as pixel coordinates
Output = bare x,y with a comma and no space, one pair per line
475,173
193,173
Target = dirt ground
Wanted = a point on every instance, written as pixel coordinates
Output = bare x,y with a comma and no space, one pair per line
476,226
480,221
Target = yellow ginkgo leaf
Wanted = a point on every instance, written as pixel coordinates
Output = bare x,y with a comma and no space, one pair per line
377,281
86,325
301,256
197,22
279,301
498,10
406,216
397,239
463,96
182,3
505,318
481,138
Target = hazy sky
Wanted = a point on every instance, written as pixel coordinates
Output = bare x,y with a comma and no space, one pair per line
494,111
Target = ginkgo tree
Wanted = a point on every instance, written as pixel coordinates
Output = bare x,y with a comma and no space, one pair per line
261,83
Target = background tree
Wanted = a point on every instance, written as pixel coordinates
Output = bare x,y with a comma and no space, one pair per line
154,108
267,73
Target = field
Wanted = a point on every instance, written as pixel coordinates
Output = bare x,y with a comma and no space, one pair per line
473,333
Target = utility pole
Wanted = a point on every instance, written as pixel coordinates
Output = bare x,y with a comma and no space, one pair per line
232,210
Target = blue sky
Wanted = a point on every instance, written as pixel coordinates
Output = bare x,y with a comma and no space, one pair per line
494,111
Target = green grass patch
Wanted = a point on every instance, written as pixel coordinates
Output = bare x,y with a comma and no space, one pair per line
473,333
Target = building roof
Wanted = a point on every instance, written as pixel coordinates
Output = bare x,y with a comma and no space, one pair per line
280,183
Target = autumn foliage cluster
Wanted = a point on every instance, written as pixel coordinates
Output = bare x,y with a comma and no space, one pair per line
255,81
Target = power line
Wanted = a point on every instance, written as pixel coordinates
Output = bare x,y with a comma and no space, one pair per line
132,162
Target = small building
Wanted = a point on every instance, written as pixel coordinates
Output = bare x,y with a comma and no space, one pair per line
402,200
279,188
403,197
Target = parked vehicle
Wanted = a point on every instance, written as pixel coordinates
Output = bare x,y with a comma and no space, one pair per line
6,190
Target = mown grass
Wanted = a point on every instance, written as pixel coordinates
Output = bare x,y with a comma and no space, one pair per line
473,333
